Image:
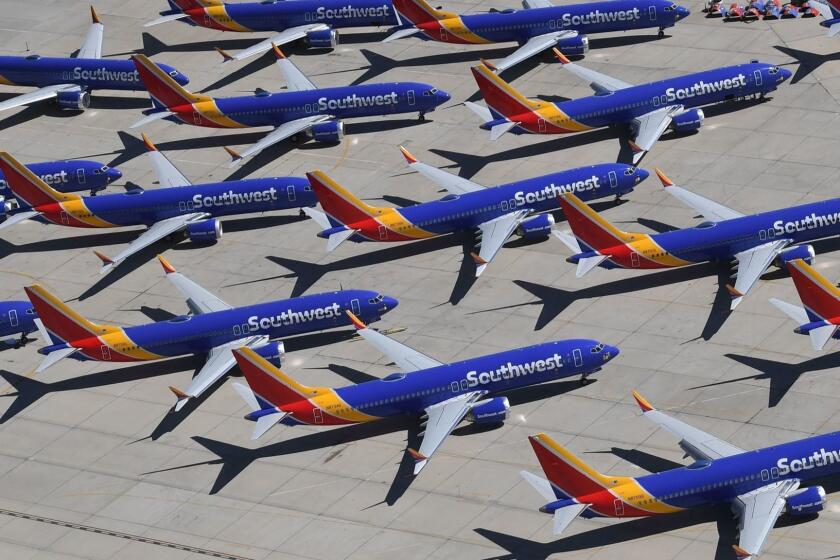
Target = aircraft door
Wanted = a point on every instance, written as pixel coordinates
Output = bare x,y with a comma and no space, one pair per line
444,36
757,75
207,20
64,218
774,473
634,259
541,125
619,508
80,176
454,387
383,233
318,415
355,307
411,99
765,475
613,180
290,191
106,352
13,318
652,12
578,357
196,118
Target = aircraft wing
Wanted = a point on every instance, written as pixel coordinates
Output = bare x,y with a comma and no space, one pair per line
533,46
44,93
751,265
167,174
220,360
696,443
92,47
407,359
758,513
649,127
294,78
601,83
285,130
157,231
452,183
443,417
166,18
531,4
711,210
285,36
19,217
199,300
494,234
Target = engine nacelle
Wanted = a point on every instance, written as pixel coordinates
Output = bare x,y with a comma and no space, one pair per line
806,501
574,46
536,227
205,231
688,120
73,100
804,252
490,411
273,352
329,131
321,39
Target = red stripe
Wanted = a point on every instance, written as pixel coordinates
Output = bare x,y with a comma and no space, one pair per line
265,384
413,12
55,321
813,295
335,205
158,88
22,187
566,477
586,229
498,100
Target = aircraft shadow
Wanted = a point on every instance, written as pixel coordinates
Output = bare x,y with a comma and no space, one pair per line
808,61
782,375
651,463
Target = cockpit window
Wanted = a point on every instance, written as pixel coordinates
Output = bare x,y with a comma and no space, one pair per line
597,348
30,311
430,92
630,171
671,8
774,70
173,73
376,299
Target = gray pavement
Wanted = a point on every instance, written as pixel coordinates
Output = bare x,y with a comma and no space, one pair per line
98,469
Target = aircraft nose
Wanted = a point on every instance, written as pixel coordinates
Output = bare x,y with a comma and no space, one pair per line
683,12
641,174
113,174
442,97
389,303
182,79
610,352
786,74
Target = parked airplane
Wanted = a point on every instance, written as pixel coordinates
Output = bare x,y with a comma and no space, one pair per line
214,328
496,213
178,206
303,109
830,10
17,319
540,26
819,315
67,176
759,485
70,80
314,22
752,242
648,109
442,394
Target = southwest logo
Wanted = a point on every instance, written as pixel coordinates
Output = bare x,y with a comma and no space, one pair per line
355,101
231,198
291,317
511,370
819,458
102,75
601,17
808,222
702,88
553,191
349,12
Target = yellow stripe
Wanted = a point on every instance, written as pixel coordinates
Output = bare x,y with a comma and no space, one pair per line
553,115
121,343
396,222
69,313
816,277
633,494
5,81
329,401
220,16
456,26
593,216
208,109
652,251
78,210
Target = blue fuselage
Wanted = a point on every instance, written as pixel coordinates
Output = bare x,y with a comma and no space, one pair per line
278,16
16,318
70,175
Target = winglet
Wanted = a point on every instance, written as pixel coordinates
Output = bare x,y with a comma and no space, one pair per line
488,64
148,142
226,57
478,260
740,553
407,155
167,268
106,260
416,455
643,402
635,147
666,182
277,52
733,292
356,321
94,16
561,58
234,155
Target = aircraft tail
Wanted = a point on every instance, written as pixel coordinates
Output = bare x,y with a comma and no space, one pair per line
821,300
589,227
194,4
27,186
268,383
501,97
164,90
420,11
61,322
341,206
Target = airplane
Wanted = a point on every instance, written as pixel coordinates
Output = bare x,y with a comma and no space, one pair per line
303,109
648,109
17,319
496,213
213,328
759,485
830,10
441,394
752,242
64,176
314,22
70,80
177,206
819,315
540,26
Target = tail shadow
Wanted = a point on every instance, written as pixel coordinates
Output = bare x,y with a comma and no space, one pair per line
808,61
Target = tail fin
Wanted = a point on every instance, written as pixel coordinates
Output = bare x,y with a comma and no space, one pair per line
567,473
193,4
500,96
160,85
269,383
420,11
27,186
340,204
589,227
60,320
820,297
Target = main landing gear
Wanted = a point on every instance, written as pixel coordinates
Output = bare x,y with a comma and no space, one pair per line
661,33
421,116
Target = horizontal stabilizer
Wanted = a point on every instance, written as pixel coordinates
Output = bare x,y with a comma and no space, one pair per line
182,397
54,357
318,217
45,335
588,263
19,217
483,112
338,238
264,423
164,19
833,30
497,131
565,515
541,485
247,395
401,34
152,118
568,240
821,335
795,312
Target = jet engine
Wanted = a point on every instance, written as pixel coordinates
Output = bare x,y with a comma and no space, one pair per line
73,100
804,252
536,227
273,352
687,120
574,46
205,231
321,39
806,501
329,131
490,411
